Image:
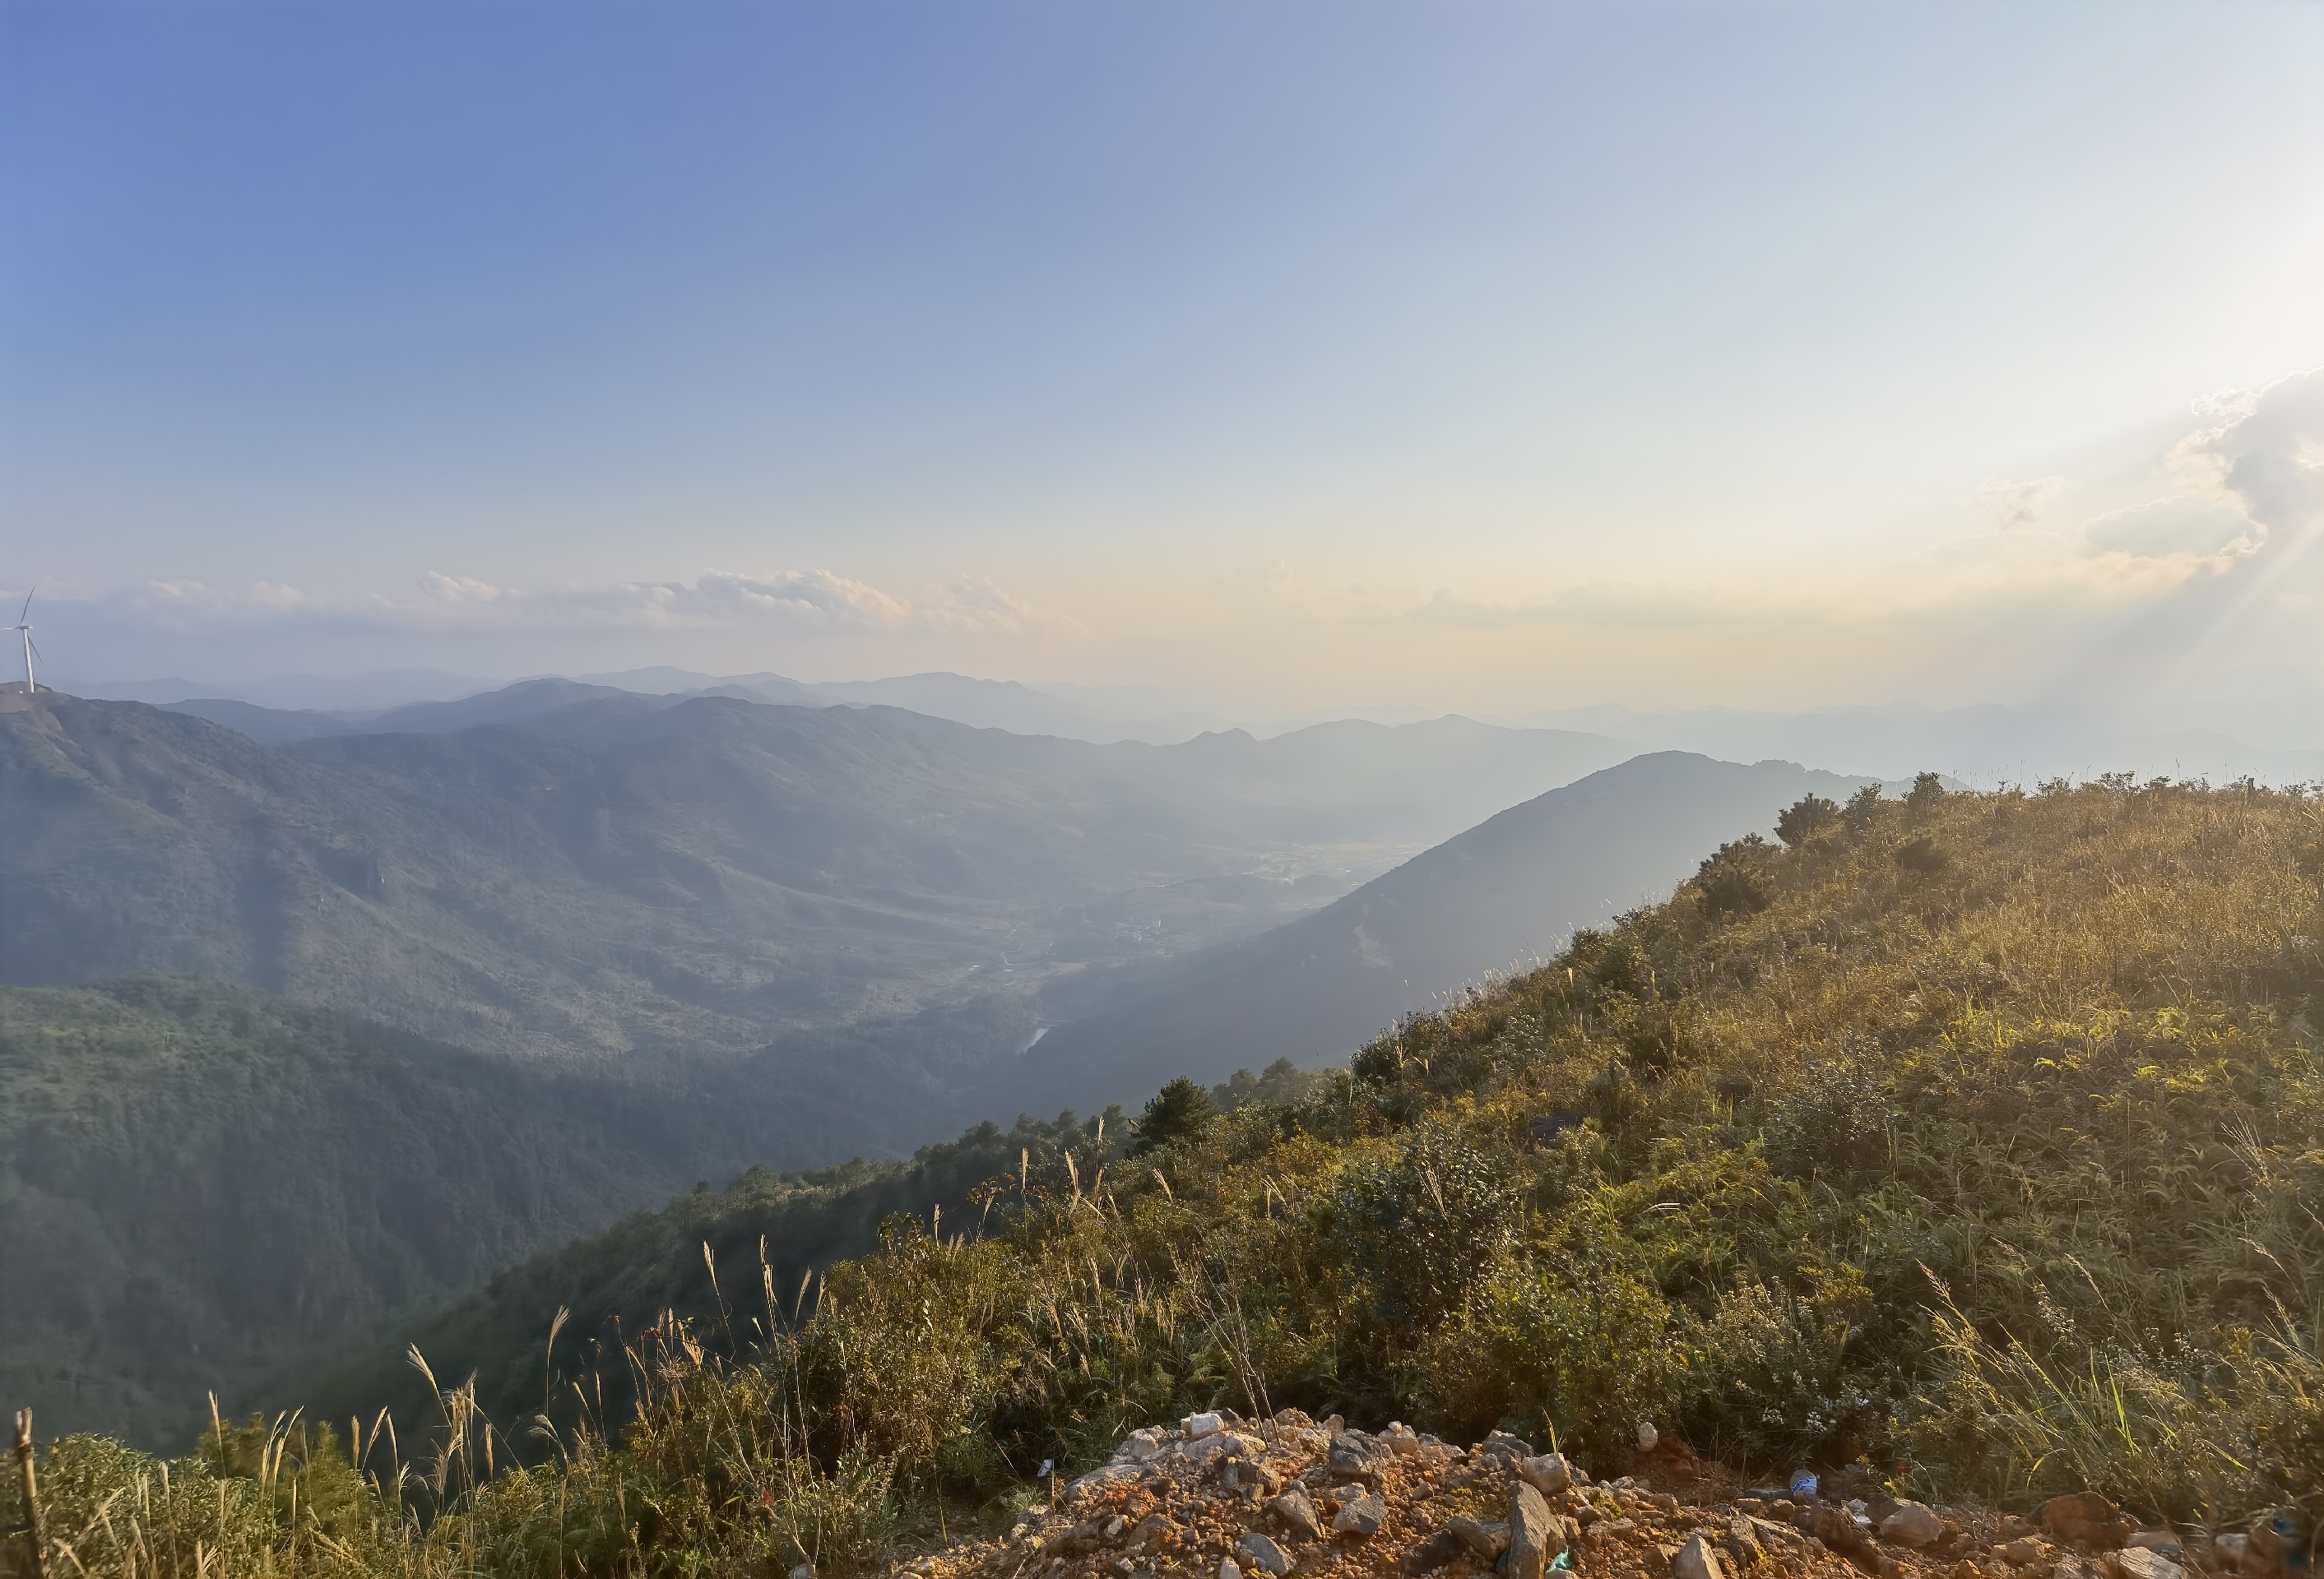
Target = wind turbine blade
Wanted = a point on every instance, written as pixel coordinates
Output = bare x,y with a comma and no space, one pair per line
27,608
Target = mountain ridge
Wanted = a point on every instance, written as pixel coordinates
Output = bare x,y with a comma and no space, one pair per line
1491,899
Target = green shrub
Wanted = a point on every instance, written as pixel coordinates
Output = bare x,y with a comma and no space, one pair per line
1734,881
1180,1111
1923,855
1805,818
1568,1339
1419,1230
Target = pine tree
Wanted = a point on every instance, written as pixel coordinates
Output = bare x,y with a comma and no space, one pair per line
1179,1111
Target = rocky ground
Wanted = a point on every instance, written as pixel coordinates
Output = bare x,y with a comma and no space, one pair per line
1223,1498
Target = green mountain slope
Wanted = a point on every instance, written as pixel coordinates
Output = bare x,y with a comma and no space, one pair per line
621,1281
1966,1146
196,1179
1969,1141
1319,986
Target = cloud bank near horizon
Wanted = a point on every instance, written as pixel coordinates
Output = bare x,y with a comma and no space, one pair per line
2204,591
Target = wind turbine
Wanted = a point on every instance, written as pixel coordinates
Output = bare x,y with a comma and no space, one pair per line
25,629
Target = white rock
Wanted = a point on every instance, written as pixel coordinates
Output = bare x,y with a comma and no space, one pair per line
2139,1562
1202,1450
1296,1510
1140,1445
1264,1553
1548,1473
1697,1559
1488,1540
1536,1534
1206,1424
1913,1524
1227,1569
1107,1474
1648,1436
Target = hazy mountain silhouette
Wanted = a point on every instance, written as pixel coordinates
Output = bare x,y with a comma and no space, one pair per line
1980,745
1501,895
997,704
633,872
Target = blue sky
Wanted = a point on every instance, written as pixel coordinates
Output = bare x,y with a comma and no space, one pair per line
1473,355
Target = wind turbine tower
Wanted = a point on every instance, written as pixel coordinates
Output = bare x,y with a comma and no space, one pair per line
25,629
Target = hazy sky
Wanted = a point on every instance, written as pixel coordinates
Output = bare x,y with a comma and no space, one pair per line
1476,355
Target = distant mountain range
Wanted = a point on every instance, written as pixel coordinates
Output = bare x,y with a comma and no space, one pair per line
1101,715
598,876
1978,744
1985,746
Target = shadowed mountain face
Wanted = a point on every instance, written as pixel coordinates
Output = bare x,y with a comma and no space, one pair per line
619,874
628,873
1503,895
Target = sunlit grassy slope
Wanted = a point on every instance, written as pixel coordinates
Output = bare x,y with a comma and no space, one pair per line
1974,1139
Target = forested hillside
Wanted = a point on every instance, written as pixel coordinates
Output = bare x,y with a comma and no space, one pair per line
1971,1138
196,1179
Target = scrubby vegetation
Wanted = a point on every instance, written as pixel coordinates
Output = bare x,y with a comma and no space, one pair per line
1973,1137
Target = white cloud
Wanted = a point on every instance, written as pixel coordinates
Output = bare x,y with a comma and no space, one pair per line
719,600
193,600
2013,506
812,599
1599,603
2267,452
2192,525
2202,593
789,601
2251,476
973,606
455,589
